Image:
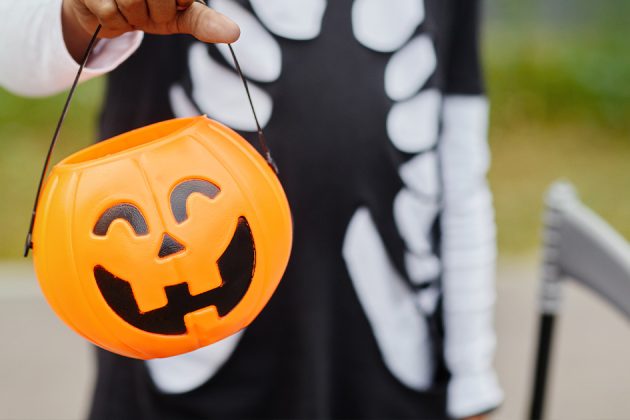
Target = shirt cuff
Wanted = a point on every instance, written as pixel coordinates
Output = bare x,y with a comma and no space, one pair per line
474,394
110,53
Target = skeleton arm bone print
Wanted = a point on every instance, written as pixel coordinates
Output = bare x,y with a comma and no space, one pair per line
467,224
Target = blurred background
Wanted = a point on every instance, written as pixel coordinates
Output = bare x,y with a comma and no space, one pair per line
558,77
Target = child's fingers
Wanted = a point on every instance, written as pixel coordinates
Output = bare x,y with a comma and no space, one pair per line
157,16
108,15
206,25
135,11
162,11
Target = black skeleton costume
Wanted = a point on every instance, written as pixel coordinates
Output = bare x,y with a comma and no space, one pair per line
375,114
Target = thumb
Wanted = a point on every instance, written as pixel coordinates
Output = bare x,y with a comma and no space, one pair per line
207,25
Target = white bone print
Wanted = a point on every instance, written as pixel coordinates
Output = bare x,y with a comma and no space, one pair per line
396,313
413,127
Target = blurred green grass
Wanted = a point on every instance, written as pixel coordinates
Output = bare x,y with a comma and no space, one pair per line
26,126
560,109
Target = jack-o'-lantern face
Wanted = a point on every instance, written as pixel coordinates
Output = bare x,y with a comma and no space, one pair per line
151,248
236,266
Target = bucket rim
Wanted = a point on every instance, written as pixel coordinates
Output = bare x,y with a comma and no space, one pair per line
122,145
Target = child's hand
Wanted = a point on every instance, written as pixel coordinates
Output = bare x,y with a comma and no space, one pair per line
81,17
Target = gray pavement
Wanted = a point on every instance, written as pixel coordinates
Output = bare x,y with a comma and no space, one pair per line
46,371
590,375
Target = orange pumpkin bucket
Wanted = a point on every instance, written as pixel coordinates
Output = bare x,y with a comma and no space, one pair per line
162,240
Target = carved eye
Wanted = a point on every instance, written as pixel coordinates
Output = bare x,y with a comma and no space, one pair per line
125,211
184,189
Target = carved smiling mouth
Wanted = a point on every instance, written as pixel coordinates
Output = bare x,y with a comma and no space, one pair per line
236,266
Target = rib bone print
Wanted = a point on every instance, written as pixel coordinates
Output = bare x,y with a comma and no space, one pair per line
396,310
397,313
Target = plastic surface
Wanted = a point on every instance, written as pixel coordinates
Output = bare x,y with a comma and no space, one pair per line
173,248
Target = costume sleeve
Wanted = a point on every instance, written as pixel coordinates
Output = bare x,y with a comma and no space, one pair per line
34,60
467,225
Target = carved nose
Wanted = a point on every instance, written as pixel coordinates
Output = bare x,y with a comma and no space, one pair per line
169,246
